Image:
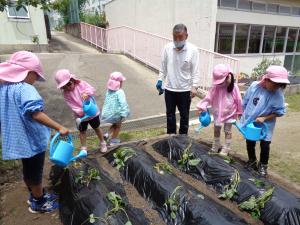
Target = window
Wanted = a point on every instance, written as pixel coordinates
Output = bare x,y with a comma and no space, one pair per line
291,40
255,36
244,4
268,39
228,3
296,64
272,8
225,38
22,13
288,61
284,9
259,6
241,39
296,11
280,37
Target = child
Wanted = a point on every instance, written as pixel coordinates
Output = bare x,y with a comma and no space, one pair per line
226,102
24,126
263,102
115,108
75,92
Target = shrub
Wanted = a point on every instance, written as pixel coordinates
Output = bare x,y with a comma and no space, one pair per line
261,68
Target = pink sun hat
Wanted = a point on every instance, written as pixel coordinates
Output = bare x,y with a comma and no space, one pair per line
19,65
220,72
277,74
115,80
62,77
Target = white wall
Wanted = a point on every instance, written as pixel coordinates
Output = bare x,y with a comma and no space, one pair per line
159,17
20,32
248,62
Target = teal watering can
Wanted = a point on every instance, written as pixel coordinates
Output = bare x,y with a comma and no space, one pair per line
61,152
204,119
253,131
89,107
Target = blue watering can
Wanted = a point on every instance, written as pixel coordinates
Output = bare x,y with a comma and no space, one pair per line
61,152
204,119
90,108
253,131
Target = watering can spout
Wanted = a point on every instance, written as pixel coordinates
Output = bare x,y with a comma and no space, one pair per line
81,154
239,128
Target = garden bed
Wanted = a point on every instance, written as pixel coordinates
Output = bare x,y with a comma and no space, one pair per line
230,180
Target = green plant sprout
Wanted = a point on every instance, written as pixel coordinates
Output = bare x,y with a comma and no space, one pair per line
118,205
231,189
228,159
121,156
255,205
163,167
92,174
173,202
188,158
258,183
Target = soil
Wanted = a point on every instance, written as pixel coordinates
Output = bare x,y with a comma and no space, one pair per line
13,196
133,196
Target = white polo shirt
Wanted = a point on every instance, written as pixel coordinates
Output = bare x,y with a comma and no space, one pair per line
180,69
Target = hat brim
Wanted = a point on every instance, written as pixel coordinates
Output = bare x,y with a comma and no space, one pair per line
280,80
14,73
220,81
63,84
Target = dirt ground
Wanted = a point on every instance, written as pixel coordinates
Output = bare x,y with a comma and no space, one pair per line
284,160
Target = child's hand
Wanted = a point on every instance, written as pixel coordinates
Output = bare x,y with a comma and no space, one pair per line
200,111
260,119
84,96
63,131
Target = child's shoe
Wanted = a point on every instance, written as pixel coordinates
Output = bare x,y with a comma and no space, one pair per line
251,164
216,145
224,151
49,196
42,205
263,169
114,141
103,147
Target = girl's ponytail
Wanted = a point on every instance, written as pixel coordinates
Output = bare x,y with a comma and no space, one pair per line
231,85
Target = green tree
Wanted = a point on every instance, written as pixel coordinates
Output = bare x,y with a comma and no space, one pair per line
44,4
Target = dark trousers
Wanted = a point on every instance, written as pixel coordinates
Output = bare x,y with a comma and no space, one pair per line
183,102
264,151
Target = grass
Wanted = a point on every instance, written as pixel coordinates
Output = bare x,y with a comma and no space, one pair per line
294,102
93,142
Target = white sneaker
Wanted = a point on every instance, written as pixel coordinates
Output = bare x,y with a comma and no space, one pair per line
103,147
224,151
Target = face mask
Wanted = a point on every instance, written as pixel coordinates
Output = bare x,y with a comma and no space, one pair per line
179,44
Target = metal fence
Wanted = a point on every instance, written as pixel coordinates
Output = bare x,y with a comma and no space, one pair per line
147,48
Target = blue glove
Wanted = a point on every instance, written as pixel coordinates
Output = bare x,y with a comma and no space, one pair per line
159,85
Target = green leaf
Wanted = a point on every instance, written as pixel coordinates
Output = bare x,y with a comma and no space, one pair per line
128,223
173,215
194,162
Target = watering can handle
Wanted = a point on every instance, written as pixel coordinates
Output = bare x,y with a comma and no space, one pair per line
264,132
91,97
53,144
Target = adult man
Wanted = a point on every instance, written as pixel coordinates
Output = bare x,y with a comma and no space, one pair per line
179,70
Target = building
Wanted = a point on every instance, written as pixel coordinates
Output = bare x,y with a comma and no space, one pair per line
244,29
22,30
